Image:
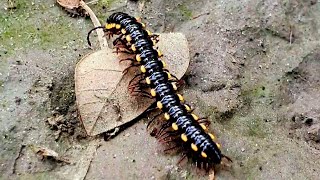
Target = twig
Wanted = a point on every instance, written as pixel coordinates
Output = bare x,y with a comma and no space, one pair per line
96,23
17,157
195,17
290,38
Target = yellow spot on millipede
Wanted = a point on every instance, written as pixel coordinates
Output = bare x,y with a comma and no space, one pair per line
164,64
194,147
187,108
218,145
159,105
184,137
203,154
169,75
153,92
174,126
148,80
203,127
143,69
180,97
118,26
212,136
128,38
149,33
133,47
123,31
159,53
138,58
110,26
174,86
195,117
166,116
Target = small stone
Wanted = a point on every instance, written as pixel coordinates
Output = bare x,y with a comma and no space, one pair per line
17,100
308,121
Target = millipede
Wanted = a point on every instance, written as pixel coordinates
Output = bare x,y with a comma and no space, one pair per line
180,123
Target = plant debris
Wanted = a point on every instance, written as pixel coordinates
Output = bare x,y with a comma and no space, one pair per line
73,8
47,153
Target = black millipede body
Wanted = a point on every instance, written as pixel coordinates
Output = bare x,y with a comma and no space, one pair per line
198,143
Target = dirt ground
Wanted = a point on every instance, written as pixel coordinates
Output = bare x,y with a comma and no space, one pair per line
254,71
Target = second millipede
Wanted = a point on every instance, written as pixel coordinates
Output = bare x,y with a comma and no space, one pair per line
187,128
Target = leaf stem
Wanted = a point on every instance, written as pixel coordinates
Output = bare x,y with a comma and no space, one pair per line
96,23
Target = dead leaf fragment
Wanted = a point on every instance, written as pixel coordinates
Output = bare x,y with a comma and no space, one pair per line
211,175
73,7
70,4
48,153
101,89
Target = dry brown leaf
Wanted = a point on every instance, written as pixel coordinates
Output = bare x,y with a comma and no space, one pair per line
211,175
101,90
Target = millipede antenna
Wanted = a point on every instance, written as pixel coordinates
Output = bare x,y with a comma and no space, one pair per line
88,36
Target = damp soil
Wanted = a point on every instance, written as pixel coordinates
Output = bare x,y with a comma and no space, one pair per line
254,72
